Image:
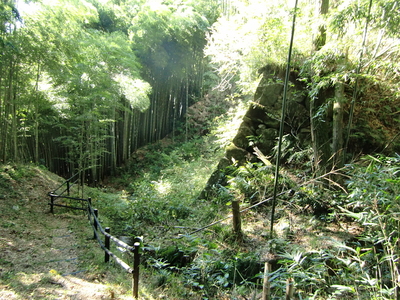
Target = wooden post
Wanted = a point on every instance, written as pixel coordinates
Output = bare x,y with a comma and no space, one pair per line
135,274
395,267
96,213
266,284
68,187
237,223
52,203
89,200
81,174
107,245
289,289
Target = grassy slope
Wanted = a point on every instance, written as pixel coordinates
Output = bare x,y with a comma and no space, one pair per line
162,205
28,229
159,202
314,242
33,242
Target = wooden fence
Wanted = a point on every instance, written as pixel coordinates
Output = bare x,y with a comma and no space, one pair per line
58,199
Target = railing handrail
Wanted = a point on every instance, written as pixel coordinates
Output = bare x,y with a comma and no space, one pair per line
93,214
51,194
123,264
116,240
66,182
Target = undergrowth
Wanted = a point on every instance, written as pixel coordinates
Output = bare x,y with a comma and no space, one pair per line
332,241
344,246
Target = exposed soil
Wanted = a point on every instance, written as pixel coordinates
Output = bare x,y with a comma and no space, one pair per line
44,256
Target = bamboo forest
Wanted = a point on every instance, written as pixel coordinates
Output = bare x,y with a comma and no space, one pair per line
231,149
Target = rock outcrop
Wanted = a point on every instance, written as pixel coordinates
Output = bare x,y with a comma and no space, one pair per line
260,125
372,129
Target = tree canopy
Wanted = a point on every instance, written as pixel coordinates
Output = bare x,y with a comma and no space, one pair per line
85,83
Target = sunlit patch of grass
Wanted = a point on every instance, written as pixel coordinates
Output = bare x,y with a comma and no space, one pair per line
167,191
28,279
162,187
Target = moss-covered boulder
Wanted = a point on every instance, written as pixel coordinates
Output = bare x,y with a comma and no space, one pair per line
261,123
371,131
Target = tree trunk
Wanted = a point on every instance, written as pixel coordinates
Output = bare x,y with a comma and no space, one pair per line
319,128
322,8
113,143
337,134
186,105
125,134
36,117
236,220
2,113
12,101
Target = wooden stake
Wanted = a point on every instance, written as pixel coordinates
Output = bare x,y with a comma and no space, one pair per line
96,213
237,223
89,200
289,289
135,274
266,285
107,245
52,203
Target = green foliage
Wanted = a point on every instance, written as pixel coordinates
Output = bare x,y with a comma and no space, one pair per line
373,203
168,37
324,69
215,270
363,266
162,188
77,69
253,182
255,35
9,175
135,91
348,21
384,14
318,200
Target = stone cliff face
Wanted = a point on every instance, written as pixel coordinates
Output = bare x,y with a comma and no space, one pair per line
260,125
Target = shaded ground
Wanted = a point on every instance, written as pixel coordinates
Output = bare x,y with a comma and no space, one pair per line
44,256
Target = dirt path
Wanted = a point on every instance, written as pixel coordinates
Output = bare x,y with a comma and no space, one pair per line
45,256
63,253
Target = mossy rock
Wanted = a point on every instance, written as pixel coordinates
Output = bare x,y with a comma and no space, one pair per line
176,257
270,95
236,153
217,177
267,139
241,139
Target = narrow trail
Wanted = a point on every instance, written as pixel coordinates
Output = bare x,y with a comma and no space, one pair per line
63,252
62,258
46,256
